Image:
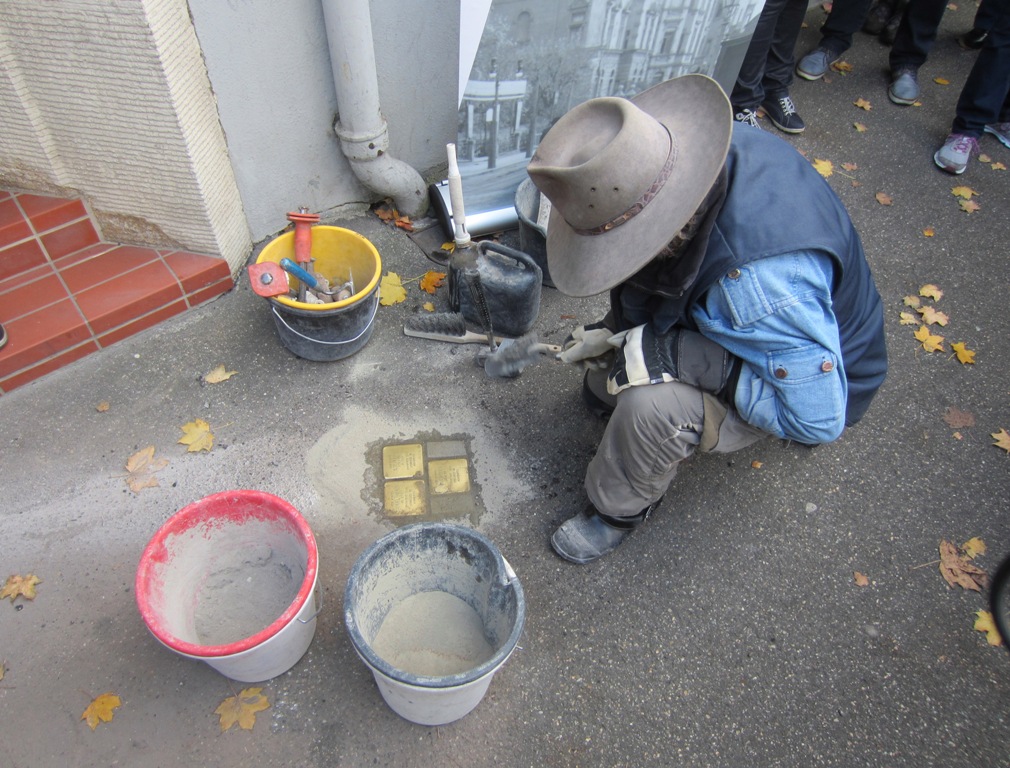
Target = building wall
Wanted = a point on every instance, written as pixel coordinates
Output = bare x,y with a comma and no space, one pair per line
111,102
270,69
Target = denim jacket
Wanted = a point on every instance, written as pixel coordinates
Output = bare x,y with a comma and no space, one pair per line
775,315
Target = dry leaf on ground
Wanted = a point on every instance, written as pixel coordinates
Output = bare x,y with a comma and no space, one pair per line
964,355
912,301
432,280
1002,440
103,406
958,570
930,342
941,81
391,290
930,291
824,167
242,709
984,623
860,579
955,418
963,192
968,206
20,586
218,375
883,198
197,435
101,709
860,128
931,316
863,104
142,465
974,547
929,232
907,318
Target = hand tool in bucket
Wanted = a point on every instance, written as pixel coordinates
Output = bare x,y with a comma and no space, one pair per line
303,221
318,284
267,279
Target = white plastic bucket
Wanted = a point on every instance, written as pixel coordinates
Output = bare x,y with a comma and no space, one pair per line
433,559
230,580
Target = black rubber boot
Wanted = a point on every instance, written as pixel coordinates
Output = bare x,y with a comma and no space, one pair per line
592,534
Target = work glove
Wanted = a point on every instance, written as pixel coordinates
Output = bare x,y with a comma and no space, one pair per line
646,357
589,345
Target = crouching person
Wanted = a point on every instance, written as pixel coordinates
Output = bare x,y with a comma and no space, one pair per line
741,303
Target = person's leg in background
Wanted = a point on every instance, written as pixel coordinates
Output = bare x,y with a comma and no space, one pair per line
778,73
845,18
912,43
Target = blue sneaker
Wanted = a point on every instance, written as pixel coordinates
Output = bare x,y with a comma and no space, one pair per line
904,87
953,156
815,64
1001,131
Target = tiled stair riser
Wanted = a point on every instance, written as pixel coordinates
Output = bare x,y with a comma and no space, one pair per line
65,294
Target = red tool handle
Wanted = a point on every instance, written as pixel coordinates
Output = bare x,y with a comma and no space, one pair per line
303,234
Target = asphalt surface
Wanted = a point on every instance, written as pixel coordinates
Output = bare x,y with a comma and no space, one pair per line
727,632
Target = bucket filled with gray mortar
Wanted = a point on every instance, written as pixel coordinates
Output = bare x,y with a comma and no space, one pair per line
230,580
434,610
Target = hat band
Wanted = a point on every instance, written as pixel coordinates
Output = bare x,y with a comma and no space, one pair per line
644,200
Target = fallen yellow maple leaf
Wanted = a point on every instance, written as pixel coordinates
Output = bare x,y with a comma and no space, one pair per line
824,167
958,571
985,623
197,435
218,375
974,547
930,342
964,355
863,104
883,198
428,306
984,158
1002,440
141,467
907,318
860,128
242,709
101,709
450,247
391,290
929,232
931,316
963,191
997,166
969,206
912,301
431,281
20,586
842,67
930,291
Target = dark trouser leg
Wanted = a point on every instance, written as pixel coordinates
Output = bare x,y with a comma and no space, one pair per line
916,33
845,18
778,72
748,91
984,98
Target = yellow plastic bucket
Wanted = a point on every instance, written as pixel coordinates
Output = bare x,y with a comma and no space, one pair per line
336,329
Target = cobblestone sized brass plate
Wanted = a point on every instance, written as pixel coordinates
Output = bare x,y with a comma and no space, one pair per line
449,476
402,461
405,497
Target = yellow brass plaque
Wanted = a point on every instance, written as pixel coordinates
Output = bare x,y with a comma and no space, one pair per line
402,461
449,476
405,497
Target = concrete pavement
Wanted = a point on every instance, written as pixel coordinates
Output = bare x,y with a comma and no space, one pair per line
728,632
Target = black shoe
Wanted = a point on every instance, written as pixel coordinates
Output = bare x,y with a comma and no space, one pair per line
782,112
747,117
3,335
877,18
592,534
974,39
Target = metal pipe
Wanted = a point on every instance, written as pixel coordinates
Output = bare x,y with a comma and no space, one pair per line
360,126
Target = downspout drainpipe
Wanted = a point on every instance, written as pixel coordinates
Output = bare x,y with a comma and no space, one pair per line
360,126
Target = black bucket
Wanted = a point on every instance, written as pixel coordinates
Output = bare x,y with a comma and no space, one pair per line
326,334
332,331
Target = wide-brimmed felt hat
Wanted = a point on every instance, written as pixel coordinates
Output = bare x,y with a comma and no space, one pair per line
624,176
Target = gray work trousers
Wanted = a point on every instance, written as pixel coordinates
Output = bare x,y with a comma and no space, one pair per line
651,430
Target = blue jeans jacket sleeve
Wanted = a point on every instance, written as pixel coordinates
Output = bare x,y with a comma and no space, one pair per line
775,315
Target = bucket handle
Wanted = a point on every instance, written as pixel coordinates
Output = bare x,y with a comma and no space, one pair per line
320,341
319,607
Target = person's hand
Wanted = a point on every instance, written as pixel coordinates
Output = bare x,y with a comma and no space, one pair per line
588,344
643,358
